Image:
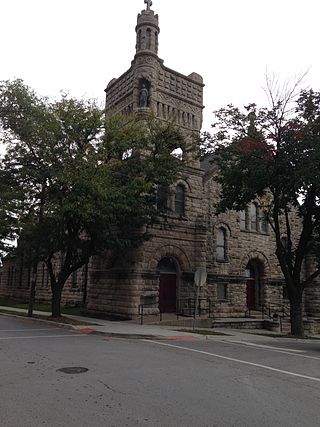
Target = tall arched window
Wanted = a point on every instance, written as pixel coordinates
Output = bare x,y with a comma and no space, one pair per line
243,220
221,244
179,203
148,38
264,222
162,197
254,220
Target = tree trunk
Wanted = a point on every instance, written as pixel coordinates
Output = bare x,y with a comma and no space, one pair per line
32,289
56,300
296,316
85,287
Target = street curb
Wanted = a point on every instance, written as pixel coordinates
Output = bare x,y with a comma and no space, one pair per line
126,335
94,332
145,337
48,322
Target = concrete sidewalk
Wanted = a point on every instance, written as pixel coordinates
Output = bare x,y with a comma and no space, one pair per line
112,328
127,329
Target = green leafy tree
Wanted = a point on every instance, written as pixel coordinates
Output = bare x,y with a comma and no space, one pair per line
82,185
8,223
273,155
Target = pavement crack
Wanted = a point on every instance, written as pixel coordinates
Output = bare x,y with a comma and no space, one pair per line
111,389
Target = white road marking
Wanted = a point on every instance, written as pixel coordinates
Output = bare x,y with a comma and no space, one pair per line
28,330
264,346
42,336
231,359
267,346
270,348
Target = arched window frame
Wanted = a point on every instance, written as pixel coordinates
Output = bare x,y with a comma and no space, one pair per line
264,222
244,219
162,196
254,217
180,199
221,244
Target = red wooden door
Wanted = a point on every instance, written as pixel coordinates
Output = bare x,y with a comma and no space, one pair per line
167,293
251,295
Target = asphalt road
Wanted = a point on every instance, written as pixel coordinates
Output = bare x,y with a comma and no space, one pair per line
216,382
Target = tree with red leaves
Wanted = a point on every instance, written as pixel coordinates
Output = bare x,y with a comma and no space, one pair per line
273,155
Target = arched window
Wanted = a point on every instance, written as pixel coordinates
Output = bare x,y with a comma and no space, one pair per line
179,202
243,220
221,244
162,197
148,38
254,222
264,222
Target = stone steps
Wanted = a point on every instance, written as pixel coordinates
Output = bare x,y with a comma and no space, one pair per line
242,323
232,323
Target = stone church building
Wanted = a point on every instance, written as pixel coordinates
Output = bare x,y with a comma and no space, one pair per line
237,250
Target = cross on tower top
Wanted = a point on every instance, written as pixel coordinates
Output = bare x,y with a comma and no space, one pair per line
148,3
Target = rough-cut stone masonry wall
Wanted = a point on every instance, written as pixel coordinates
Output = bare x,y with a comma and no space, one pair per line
120,291
15,278
119,94
173,97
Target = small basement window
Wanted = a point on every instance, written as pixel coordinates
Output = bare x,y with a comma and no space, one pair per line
222,291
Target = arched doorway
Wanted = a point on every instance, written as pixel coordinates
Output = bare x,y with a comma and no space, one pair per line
253,273
167,269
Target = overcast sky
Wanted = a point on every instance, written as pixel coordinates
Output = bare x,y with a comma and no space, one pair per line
80,45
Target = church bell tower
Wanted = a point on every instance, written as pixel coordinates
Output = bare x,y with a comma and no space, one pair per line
149,87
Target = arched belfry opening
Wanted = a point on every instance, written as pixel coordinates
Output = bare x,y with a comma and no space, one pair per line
254,285
168,277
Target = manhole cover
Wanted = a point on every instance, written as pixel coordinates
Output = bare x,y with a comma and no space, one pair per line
73,370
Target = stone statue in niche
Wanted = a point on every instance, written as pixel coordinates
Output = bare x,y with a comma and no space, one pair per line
144,96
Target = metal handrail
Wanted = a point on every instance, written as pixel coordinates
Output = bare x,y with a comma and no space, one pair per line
276,314
189,309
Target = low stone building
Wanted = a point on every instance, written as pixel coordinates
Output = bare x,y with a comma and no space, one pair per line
237,250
